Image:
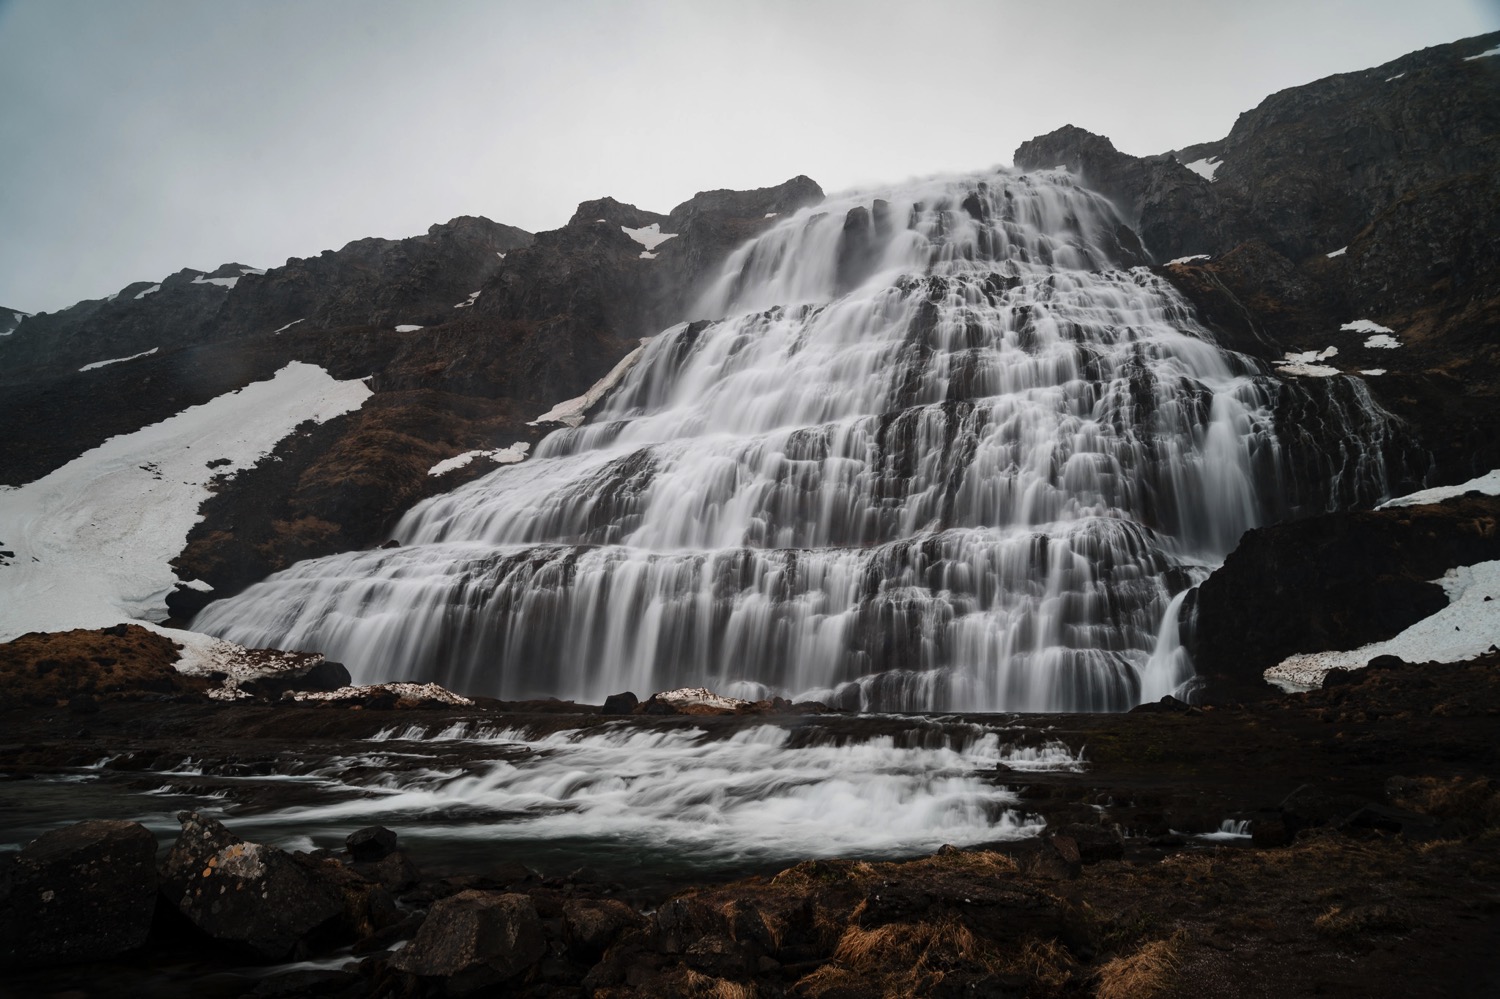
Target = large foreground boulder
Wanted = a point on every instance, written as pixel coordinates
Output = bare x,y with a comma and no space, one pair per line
83,893
250,896
474,940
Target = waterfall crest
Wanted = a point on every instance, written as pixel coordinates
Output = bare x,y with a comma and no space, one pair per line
940,448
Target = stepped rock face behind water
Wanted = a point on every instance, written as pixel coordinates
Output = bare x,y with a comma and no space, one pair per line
942,451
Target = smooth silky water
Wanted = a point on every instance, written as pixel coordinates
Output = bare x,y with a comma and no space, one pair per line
940,448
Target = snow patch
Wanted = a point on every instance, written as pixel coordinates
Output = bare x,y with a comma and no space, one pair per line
500,456
1365,326
1466,628
149,291
473,295
222,282
1205,168
1488,483
1383,341
1305,364
1337,253
1393,79
649,236
1373,371
118,360
769,215
700,695
408,691
93,539
289,325
647,255
1187,260
571,412
252,270
408,328
1484,55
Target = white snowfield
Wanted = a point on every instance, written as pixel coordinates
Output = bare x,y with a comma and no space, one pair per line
1466,628
149,291
1484,55
92,539
1187,260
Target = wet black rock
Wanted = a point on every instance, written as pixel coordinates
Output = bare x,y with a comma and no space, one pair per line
371,843
620,704
82,893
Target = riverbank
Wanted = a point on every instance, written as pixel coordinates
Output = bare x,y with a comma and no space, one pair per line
1339,842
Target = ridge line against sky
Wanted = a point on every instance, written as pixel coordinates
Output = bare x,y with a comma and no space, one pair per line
146,136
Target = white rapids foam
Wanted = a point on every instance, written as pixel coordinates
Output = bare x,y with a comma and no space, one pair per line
764,791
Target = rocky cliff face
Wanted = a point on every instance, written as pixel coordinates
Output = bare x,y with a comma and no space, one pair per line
370,282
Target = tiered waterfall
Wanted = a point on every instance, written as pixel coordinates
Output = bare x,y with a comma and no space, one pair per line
939,448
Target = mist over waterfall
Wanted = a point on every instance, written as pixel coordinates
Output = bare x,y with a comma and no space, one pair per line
941,447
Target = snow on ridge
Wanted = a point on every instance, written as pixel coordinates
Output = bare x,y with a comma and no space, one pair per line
473,297
1484,55
1466,628
1206,167
93,539
289,325
649,236
500,456
118,360
1187,260
228,282
1393,79
149,291
252,270
1337,253
1488,483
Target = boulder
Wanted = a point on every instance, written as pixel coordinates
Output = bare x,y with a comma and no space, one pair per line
619,704
371,843
474,940
83,893
593,924
252,897
314,673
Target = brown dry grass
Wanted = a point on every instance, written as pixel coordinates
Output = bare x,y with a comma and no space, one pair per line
1146,973
707,987
46,668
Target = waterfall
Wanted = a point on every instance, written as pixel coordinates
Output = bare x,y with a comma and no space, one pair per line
940,447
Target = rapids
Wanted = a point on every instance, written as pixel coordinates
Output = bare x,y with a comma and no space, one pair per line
942,447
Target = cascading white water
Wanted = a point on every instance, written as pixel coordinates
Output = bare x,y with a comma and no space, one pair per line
944,452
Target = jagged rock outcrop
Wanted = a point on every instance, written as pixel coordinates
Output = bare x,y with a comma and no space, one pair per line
10,319
1334,582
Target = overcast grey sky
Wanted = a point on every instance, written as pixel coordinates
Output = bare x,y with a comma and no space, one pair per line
143,136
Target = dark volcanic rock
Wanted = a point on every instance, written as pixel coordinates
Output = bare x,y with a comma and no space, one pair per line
1333,582
371,843
311,674
474,940
620,704
250,896
83,893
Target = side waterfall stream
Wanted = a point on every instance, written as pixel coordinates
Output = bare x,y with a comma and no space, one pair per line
944,447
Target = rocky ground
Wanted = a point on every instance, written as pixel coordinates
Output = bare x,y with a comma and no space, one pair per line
1372,868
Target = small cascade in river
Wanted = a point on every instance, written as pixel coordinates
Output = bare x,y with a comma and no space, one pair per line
946,450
